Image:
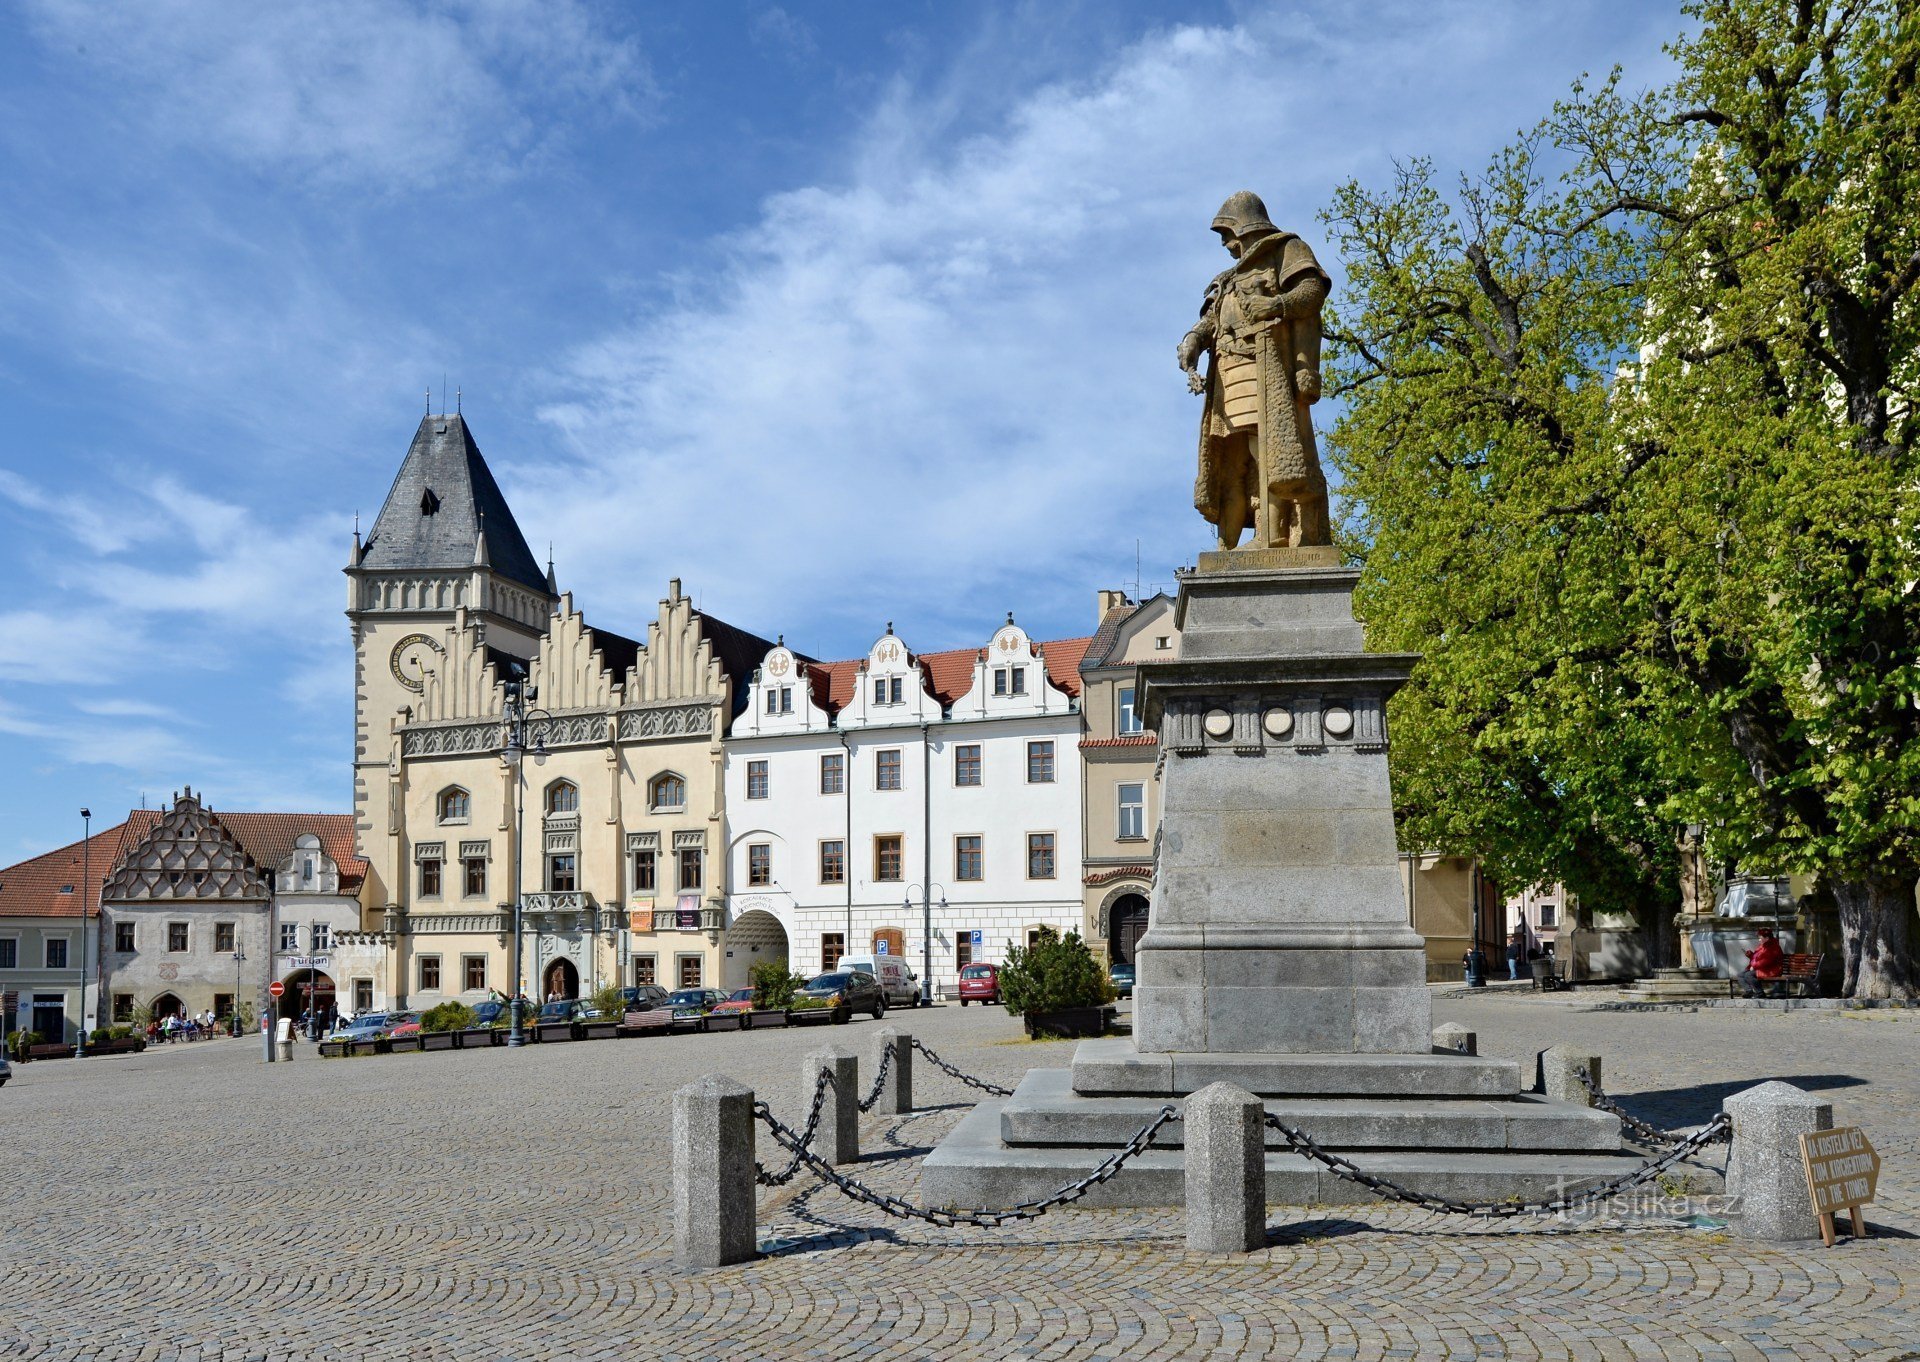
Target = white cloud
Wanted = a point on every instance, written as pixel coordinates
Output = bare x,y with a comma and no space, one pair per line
360,91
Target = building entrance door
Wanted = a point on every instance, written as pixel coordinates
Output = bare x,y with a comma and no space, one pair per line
1127,925
50,1017
563,981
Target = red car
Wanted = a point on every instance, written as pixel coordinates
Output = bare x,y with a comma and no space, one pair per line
740,1000
979,984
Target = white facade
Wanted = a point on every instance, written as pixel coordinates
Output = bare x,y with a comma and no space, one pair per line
846,814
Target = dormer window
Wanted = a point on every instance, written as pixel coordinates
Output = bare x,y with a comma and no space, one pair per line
888,690
429,503
1009,680
780,699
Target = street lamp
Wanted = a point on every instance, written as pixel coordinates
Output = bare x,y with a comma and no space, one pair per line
926,934
515,748
239,959
86,886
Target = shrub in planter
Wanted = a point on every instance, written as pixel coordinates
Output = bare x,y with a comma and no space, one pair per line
452,1015
773,985
1055,974
608,1002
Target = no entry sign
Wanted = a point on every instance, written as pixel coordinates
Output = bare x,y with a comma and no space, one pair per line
276,988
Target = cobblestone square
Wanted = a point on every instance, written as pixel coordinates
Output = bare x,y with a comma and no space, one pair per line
193,1203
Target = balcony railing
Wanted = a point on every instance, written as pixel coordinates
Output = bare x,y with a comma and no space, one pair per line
561,901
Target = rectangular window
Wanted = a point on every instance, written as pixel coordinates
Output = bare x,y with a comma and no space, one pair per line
833,773
966,764
1129,723
756,780
833,945
894,691
56,952
962,949
176,936
969,857
690,966
879,690
1039,855
474,969
1546,915
646,969
429,879
1019,680
362,996
833,862
786,699
690,867
645,871
223,1005
123,1007
999,680
562,877
476,874
223,937
1133,810
430,973
289,936
9,953
123,937
1009,680
759,864
323,938
773,702
886,769
1040,763
887,857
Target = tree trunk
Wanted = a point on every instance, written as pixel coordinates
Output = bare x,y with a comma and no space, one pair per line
1876,933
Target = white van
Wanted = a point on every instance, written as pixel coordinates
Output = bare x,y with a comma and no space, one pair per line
897,979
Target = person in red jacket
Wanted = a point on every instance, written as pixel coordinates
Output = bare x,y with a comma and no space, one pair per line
1766,965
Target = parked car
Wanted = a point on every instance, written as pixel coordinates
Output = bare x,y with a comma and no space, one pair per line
1122,975
843,993
644,997
560,1010
740,1000
896,976
979,984
366,1026
695,1002
403,1024
491,1011
6,1069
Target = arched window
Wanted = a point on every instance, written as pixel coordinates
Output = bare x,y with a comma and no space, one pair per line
563,796
668,791
454,805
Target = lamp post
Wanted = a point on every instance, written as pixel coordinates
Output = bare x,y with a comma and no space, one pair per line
512,752
86,885
926,934
239,959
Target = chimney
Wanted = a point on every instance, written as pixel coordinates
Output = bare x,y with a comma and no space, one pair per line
1107,600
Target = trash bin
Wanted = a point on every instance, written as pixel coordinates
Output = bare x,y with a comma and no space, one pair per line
1543,972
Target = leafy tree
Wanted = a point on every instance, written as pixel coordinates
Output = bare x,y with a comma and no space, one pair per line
1053,974
1631,452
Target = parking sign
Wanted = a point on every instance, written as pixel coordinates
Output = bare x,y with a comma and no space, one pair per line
979,937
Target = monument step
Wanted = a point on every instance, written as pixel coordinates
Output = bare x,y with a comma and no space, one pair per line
1112,1067
974,1168
1044,1110
1670,989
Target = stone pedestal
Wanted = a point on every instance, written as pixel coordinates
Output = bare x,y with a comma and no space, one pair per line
1278,922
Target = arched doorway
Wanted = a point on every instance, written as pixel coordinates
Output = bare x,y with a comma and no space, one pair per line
1126,924
309,990
755,935
167,1005
561,980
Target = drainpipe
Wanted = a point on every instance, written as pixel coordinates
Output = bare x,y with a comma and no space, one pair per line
926,867
846,868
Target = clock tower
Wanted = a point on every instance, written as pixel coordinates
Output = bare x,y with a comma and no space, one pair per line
445,541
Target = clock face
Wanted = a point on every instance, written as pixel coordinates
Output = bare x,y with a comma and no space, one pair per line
412,656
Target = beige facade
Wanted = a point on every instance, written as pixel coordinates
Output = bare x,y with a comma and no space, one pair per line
1440,892
1119,772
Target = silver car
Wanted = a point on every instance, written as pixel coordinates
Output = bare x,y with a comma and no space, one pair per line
6,1069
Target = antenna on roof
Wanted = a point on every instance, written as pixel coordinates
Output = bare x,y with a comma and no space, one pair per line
429,399
456,406
1136,569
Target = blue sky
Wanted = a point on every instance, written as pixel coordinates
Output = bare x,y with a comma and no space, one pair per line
842,313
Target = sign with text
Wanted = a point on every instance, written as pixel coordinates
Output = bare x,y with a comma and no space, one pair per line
640,916
979,938
687,911
1842,1170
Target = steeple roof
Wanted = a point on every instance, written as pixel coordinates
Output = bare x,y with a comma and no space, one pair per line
446,513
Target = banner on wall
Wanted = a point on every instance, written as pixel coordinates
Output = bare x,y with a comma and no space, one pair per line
688,911
640,915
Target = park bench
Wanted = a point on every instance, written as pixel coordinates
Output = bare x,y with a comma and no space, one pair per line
1802,969
54,1050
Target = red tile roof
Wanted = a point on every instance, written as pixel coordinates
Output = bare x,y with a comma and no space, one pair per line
949,674
32,888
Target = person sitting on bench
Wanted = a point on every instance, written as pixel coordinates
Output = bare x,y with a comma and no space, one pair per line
1766,966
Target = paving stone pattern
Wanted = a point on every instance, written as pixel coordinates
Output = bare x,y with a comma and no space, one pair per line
194,1204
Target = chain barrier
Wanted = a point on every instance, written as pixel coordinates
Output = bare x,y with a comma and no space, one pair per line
1300,1142
948,1219
792,1141
879,1079
1649,1134
992,1089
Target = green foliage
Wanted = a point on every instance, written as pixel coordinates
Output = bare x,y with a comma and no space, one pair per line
773,984
1053,974
452,1015
1631,455
19,1042
608,1002
101,1034
242,1019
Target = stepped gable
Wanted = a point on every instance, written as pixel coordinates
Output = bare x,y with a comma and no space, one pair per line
445,512
188,853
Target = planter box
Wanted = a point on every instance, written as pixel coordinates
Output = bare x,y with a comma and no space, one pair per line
548,1032
1070,1023
381,1046
332,1049
406,1045
727,1021
809,1016
598,1030
477,1038
763,1016
130,1046
437,1040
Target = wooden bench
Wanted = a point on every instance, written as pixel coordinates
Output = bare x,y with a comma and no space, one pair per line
1802,969
54,1050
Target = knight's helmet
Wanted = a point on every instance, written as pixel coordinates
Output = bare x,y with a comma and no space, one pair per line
1243,213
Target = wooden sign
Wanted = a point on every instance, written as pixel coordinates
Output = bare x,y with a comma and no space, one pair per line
1841,1172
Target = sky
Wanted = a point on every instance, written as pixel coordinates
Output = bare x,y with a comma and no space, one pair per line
842,313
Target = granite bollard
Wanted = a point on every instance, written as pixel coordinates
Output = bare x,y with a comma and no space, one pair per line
1226,1172
1455,1037
1764,1168
1557,1074
896,1093
713,1184
837,1140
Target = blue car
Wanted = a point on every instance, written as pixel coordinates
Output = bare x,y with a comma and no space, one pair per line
1122,975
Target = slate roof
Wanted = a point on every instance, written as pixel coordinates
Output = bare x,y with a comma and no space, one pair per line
949,674
1108,633
442,501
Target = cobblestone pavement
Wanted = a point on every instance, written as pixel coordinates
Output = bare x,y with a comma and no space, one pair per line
192,1203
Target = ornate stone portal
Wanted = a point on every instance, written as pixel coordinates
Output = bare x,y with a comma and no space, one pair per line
1278,955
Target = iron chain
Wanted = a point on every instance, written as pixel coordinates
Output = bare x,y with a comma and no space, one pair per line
993,1089
794,1141
1650,1134
1302,1143
879,1079
948,1219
